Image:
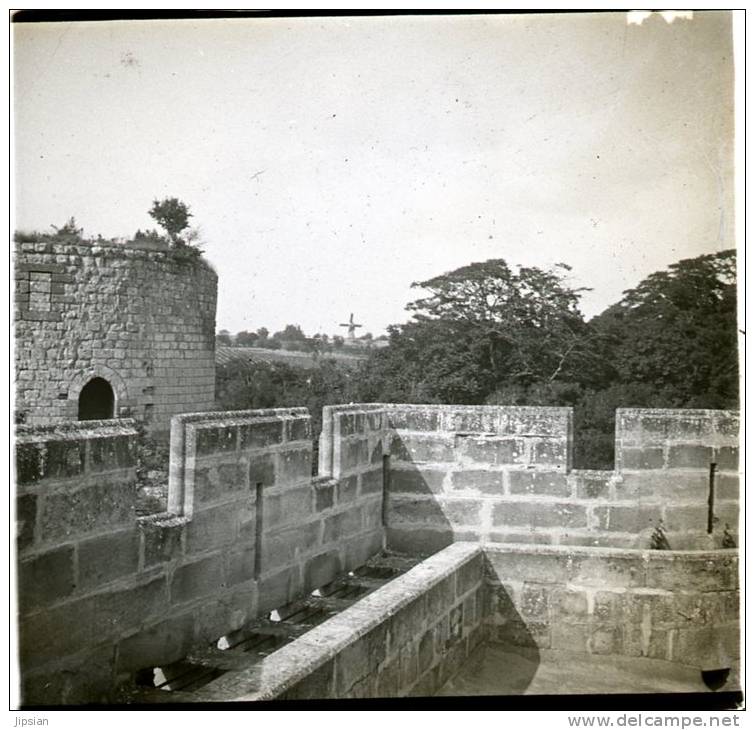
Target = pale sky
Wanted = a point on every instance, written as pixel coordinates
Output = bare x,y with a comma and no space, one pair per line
330,162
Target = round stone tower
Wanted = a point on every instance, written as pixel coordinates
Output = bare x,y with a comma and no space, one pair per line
106,330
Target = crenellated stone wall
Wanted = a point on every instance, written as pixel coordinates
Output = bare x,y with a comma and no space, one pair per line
136,317
104,595
503,474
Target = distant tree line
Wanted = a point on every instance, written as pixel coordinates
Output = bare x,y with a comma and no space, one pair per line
490,333
291,337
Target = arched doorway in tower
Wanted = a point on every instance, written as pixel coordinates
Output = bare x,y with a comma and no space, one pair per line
96,400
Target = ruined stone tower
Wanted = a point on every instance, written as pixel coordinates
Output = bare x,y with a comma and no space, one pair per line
108,330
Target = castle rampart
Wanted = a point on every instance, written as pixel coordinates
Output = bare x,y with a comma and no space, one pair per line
104,595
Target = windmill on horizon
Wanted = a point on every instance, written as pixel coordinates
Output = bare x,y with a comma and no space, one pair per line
352,327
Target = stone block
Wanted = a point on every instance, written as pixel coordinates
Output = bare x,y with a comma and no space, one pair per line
371,482
195,580
112,452
321,569
589,486
727,458
360,659
553,453
726,423
64,459
539,514
290,506
475,419
26,517
66,515
351,455
686,517
414,419
241,566
408,665
350,423
318,685
568,605
295,466
539,482
628,518
422,448
727,486
426,653
416,481
479,480
162,540
347,489
108,557
441,597
324,493
260,434
29,463
342,524
219,483
640,458
161,644
608,607
469,576
607,571
534,601
359,549
388,678
83,624
690,456
677,573
278,588
261,470
415,511
45,579
417,541
372,513
726,513
689,486
212,528
527,566
299,429
493,450
212,439
280,547
605,639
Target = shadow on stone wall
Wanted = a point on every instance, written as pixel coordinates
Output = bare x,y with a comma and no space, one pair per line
423,526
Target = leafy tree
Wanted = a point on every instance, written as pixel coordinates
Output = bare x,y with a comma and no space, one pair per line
677,333
246,339
223,338
172,215
291,332
482,326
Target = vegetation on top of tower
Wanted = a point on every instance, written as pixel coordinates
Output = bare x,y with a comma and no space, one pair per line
171,214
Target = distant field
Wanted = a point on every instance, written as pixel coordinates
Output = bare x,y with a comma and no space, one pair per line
305,360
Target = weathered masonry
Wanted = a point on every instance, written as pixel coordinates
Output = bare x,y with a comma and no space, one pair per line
106,330
525,549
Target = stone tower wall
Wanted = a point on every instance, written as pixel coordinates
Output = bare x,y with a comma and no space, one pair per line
137,317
